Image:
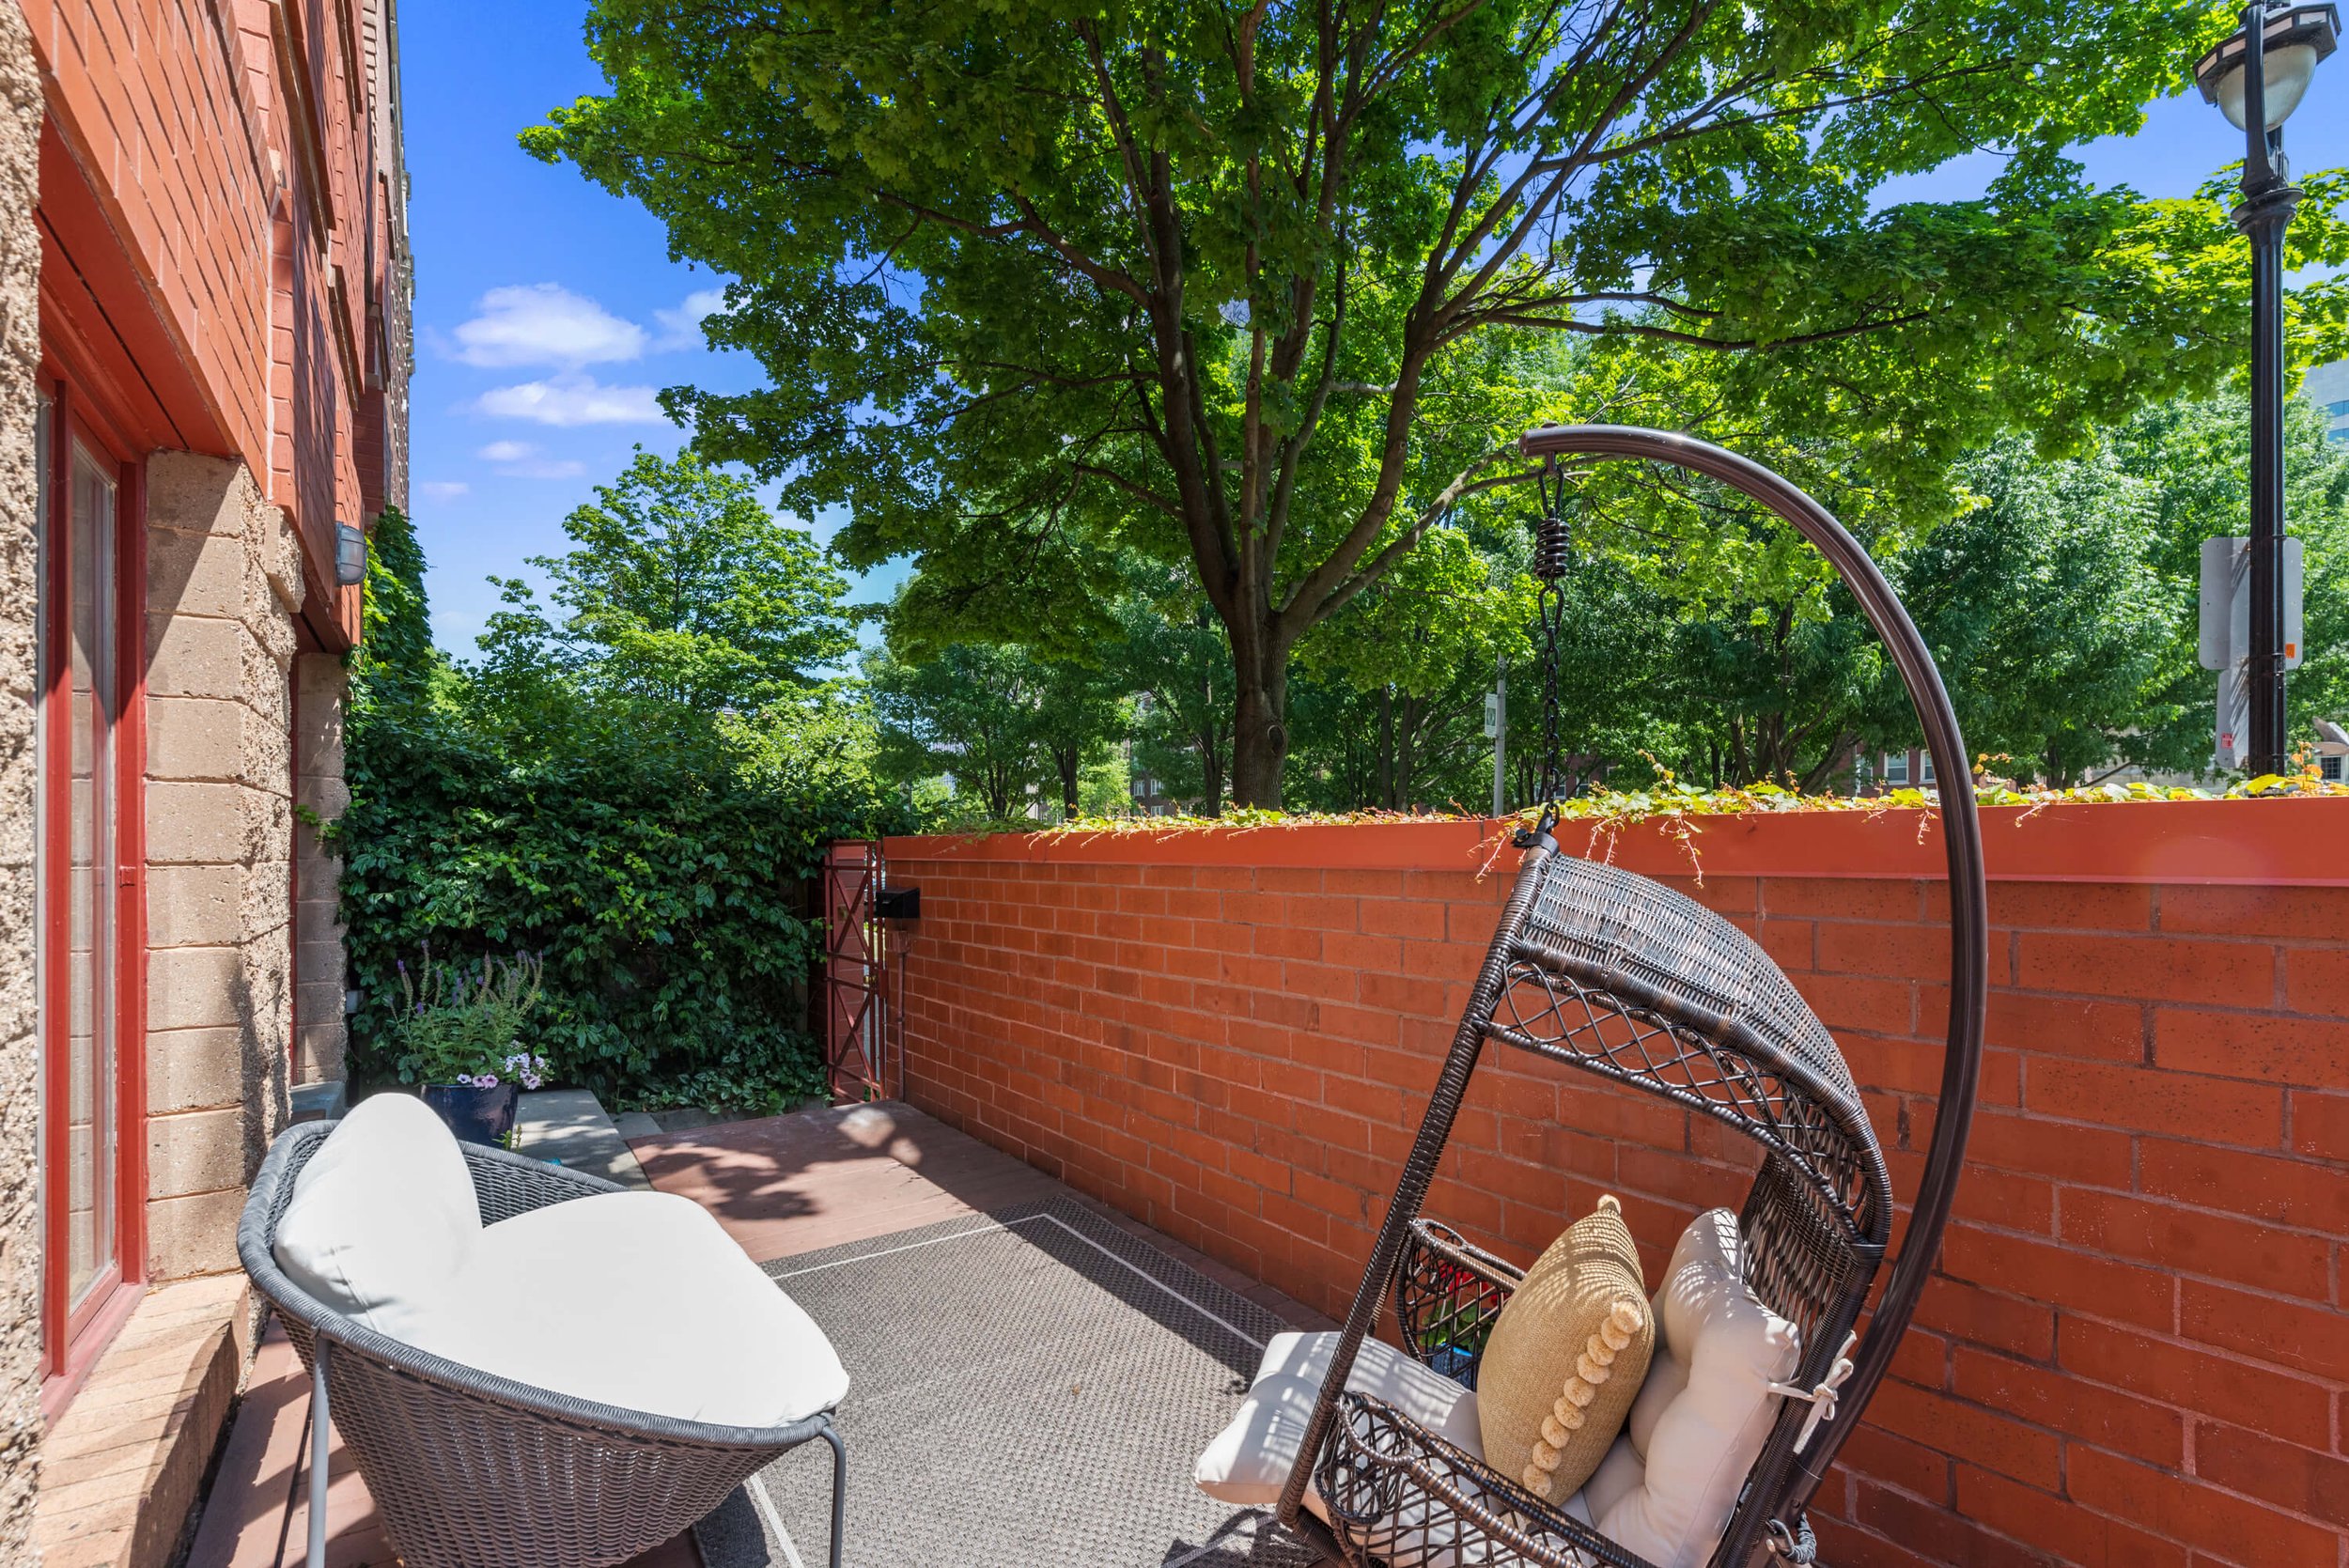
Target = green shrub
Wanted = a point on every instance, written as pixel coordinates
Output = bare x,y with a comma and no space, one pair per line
657,856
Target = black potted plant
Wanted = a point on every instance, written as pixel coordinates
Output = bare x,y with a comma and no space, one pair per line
459,1040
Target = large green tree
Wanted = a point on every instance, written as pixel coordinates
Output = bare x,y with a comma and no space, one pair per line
969,711
1418,651
1032,279
682,586
2048,610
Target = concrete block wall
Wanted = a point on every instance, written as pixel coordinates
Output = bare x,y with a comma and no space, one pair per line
2136,1351
322,681
224,587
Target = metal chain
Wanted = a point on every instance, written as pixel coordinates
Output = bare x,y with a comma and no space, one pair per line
1553,554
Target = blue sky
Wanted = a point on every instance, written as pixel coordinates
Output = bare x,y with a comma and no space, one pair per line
548,313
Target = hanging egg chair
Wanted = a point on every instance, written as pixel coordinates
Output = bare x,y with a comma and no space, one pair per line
1596,969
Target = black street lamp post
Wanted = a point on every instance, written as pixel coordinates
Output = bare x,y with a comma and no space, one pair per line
2257,78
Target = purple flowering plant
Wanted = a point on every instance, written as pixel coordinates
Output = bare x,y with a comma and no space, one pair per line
460,1022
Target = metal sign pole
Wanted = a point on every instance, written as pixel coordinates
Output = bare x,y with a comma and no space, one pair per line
1500,739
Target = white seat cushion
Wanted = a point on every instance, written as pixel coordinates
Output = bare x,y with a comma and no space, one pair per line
1248,1462
637,1299
381,1216
1667,1488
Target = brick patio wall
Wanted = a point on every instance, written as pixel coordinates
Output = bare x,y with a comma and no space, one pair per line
2136,1350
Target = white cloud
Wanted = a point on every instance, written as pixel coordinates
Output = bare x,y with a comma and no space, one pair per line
445,489
570,399
681,328
520,460
544,323
544,467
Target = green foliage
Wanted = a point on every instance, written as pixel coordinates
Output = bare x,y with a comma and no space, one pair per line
968,712
997,720
682,587
1036,288
457,1022
580,797
2195,456
1174,656
2046,609
397,631
2058,594
1397,720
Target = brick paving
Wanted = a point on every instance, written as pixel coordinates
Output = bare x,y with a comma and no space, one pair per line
121,1468
780,1185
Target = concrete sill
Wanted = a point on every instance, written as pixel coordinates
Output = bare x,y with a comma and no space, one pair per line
121,1466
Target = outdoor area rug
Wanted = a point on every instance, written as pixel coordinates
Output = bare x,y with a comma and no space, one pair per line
1025,1388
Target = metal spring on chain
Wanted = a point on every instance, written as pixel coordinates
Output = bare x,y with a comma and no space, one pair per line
1553,547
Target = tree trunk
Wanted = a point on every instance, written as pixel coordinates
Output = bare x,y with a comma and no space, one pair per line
1211,770
1260,734
1067,760
1406,755
1385,787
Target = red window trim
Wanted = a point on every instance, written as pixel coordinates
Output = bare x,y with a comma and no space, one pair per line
68,1356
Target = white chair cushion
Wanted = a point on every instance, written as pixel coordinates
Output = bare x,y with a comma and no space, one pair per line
1249,1462
381,1216
637,1299
1667,1488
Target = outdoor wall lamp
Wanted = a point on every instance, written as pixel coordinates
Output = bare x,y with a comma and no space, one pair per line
2257,77
350,554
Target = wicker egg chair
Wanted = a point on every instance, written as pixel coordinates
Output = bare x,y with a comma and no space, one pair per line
1601,970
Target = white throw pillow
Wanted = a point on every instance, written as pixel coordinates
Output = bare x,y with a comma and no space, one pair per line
1249,1462
1667,1488
381,1216
637,1299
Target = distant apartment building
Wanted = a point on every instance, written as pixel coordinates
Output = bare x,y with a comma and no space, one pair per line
204,360
2328,387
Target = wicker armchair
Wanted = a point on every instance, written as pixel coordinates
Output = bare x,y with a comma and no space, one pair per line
472,1470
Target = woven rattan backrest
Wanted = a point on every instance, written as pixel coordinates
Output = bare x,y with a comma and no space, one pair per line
1627,979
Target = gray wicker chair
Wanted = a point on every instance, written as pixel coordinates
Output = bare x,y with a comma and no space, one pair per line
470,1470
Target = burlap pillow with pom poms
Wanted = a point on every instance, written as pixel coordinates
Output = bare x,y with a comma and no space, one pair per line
1566,1357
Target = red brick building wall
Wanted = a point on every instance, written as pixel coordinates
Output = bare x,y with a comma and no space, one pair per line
2136,1351
221,239
207,199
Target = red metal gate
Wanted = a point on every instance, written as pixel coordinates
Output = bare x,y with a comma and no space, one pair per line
856,975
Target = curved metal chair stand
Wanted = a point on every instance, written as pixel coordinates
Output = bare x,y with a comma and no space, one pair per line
472,1470
1603,970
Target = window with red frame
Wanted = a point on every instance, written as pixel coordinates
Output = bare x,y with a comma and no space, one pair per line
87,880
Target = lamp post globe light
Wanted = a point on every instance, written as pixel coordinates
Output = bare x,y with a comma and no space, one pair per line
2257,77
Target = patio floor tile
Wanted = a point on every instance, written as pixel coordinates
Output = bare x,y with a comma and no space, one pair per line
786,1184
243,1514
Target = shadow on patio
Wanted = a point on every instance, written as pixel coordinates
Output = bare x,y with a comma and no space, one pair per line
830,1201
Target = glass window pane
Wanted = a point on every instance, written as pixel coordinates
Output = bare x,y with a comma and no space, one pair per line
88,894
